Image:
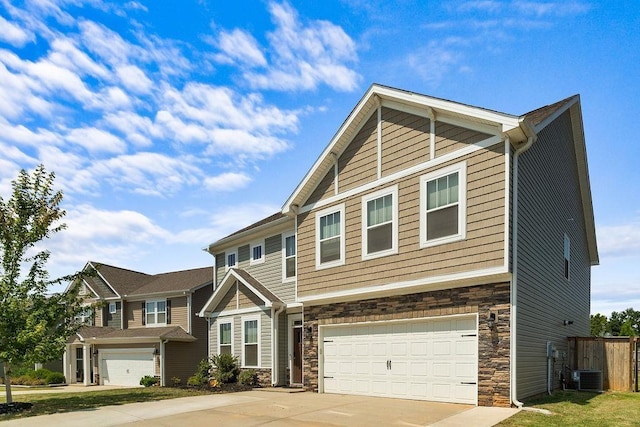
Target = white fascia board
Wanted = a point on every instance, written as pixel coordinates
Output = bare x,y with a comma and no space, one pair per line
248,236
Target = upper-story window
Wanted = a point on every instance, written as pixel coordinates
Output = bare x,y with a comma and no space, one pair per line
289,256
443,205
232,259
380,223
112,308
567,256
225,338
85,317
257,253
156,312
330,237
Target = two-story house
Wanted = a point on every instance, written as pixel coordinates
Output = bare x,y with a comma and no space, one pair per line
147,325
435,250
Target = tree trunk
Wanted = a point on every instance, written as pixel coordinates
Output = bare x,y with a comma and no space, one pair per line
7,383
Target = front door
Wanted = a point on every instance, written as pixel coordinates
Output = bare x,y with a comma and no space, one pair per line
296,377
79,365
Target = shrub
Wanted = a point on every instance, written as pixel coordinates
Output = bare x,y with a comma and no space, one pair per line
148,381
39,377
195,381
201,377
248,377
226,368
56,378
175,381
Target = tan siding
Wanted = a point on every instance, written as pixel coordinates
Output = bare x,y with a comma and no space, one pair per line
450,138
221,267
482,248
405,140
549,206
181,360
179,313
326,188
229,301
99,316
247,299
134,314
357,165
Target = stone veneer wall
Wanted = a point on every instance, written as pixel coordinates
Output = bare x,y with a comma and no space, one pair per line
493,343
264,376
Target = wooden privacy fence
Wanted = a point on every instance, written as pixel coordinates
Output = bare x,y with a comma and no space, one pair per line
615,357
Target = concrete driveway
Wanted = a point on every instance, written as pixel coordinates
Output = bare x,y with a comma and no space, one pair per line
267,408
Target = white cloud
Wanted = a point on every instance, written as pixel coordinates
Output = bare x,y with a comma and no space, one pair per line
619,240
13,34
66,54
229,181
240,46
539,8
136,128
303,55
96,140
134,79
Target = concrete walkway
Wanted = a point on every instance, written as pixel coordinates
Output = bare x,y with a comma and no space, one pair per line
255,408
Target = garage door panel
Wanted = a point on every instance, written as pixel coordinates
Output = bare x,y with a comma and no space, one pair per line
429,359
126,367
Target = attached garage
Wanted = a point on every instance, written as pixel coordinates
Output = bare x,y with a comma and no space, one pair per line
432,359
125,366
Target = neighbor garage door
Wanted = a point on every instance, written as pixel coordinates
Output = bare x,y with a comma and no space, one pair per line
125,366
427,359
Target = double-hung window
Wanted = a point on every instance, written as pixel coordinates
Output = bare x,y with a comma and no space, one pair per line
225,337
250,345
443,205
380,223
567,256
156,312
112,308
289,256
231,259
85,317
257,253
330,237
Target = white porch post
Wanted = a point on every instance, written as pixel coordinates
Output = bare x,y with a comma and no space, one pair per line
66,363
86,363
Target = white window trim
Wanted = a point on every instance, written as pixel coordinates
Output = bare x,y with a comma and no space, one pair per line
284,256
244,320
223,322
566,257
146,313
394,223
226,259
115,308
252,260
319,214
461,168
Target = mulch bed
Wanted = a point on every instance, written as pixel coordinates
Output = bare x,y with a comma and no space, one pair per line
8,408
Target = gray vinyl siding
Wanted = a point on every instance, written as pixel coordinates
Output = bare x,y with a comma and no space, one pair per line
269,272
549,206
265,335
283,349
114,319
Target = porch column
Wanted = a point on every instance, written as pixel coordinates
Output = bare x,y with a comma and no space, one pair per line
86,363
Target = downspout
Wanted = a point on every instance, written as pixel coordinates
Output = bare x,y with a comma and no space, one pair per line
275,368
531,138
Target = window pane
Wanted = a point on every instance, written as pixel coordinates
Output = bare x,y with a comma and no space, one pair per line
290,269
162,318
443,222
443,194
162,306
330,225
379,210
432,195
151,307
453,188
379,238
257,252
225,349
290,246
151,318
251,355
251,331
225,333
330,250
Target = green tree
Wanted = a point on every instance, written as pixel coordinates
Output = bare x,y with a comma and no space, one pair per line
34,326
599,325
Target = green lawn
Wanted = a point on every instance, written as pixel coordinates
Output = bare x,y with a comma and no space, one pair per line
52,403
573,408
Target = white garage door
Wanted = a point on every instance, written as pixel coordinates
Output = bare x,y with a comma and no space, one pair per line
429,359
126,366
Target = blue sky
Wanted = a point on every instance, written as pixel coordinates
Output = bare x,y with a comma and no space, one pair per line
171,124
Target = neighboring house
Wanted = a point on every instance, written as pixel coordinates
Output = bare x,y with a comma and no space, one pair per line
146,326
435,251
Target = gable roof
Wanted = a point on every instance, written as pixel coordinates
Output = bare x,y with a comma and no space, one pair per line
494,122
242,276
267,223
115,282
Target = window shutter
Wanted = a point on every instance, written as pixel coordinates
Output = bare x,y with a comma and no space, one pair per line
144,313
168,312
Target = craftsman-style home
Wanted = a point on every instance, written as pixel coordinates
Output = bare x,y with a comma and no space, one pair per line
435,251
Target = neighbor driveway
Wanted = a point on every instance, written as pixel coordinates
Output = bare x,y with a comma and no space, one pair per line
269,408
